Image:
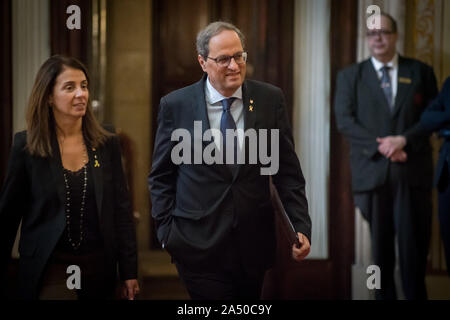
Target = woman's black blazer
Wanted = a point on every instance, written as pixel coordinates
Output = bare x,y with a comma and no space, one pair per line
34,192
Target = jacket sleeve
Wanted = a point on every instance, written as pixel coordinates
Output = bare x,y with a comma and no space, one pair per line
162,178
346,120
14,199
289,179
415,134
125,227
437,115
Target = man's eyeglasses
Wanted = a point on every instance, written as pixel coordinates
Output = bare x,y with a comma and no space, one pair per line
224,61
377,33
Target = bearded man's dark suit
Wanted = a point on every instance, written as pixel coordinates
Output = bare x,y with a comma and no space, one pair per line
394,197
206,217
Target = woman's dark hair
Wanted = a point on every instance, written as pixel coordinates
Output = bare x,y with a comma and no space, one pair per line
40,120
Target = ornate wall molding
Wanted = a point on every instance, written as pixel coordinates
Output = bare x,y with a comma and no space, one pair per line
423,39
430,45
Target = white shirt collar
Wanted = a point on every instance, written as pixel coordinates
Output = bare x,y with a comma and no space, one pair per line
213,96
378,64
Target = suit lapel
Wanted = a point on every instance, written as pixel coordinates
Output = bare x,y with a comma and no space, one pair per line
249,106
370,78
402,88
249,102
199,106
95,165
56,168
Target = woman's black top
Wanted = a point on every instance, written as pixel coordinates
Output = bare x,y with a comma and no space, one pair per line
91,236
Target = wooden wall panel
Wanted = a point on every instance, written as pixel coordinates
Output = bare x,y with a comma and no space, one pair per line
330,278
341,225
75,43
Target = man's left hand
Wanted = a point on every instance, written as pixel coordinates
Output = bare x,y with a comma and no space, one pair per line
298,254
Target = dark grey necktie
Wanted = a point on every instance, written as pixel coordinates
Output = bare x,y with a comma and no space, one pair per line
386,85
227,122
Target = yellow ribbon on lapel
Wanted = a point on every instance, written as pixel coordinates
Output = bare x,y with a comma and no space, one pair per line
96,163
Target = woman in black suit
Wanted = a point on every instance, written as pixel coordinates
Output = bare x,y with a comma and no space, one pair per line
437,118
66,184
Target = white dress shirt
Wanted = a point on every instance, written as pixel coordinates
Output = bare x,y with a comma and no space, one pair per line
393,73
214,108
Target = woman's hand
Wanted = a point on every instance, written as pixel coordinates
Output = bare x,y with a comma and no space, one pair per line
129,289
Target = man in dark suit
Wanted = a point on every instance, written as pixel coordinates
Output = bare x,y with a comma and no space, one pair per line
378,104
216,220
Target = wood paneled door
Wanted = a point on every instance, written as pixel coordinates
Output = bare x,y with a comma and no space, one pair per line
267,26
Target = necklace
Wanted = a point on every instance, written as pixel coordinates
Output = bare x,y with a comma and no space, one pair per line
75,245
85,157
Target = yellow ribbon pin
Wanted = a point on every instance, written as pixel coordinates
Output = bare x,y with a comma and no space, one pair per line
96,163
250,107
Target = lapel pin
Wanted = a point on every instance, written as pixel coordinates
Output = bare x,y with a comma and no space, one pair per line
250,108
96,163
251,100
404,80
